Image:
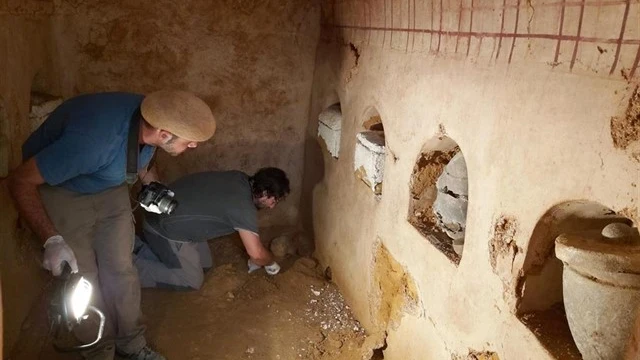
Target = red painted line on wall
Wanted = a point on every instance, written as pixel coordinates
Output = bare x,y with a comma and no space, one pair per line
413,42
515,32
504,6
555,59
431,37
459,26
471,29
406,48
384,35
622,28
368,20
578,33
636,62
333,16
440,31
556,4
391,42
333,12
506,35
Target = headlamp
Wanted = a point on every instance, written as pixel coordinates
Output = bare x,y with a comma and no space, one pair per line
70,306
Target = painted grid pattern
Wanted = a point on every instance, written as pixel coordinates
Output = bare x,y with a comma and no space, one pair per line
617,24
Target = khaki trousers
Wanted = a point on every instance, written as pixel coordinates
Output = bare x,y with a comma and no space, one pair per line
99,229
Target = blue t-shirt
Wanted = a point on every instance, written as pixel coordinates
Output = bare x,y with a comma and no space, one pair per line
82,146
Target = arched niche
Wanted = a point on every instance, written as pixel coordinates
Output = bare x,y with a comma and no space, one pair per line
370,151
41,105
330,128
540,306
439,196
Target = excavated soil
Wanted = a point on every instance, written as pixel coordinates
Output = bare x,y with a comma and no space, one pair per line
294,315
552,329
626,129
502,244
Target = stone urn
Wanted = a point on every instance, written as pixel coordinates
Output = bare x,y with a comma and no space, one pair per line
601,289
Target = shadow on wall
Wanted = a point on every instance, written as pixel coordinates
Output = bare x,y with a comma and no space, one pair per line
5,148
323,137
439,196
541,307
330,129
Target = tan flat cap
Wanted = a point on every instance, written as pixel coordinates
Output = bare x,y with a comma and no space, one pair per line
179,112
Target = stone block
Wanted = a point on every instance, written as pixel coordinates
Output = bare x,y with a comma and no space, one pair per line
41,106
458,186
330,127
457,167
454,177
369,158
450,209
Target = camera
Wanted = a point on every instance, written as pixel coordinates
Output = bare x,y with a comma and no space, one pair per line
159,195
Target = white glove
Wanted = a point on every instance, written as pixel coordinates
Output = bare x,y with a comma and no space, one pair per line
56,253
252,266
153,208
272,269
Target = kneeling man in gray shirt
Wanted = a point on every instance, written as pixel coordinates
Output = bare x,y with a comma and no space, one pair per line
211,204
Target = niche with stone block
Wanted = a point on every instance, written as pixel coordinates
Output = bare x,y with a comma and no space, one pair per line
329,128
541,303
5,148
439,196
370,152
42,105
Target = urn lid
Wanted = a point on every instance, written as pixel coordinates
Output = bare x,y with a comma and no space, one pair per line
601,252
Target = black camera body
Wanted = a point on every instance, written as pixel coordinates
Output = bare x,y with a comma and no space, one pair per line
158,194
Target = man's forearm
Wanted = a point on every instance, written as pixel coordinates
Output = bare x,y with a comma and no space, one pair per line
31,208
257,252
148,176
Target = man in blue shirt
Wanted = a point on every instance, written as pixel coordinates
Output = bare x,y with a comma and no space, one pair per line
71,190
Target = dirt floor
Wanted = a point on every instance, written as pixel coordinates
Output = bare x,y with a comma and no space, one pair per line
294,315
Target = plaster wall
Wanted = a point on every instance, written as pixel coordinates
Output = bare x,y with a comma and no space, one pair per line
532,118
26,57
251,61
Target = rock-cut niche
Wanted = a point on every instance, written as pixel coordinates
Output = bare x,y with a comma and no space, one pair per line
370,152
541,306
330,128
439,196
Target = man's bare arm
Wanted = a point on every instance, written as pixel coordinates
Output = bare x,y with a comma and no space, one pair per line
23,185
257,252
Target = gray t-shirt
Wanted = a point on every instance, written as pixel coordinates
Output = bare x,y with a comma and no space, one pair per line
210,204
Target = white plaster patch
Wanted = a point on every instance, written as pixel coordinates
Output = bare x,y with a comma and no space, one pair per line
369,157
330,127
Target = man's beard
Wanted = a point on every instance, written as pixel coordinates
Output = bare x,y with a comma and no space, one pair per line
169,149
